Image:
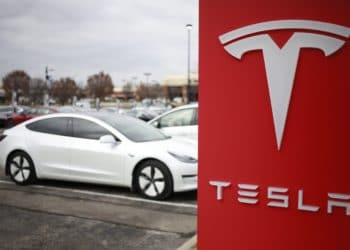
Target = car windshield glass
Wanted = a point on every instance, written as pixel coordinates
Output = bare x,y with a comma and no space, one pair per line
134,129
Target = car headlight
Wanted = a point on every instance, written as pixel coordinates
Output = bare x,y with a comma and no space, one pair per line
183,158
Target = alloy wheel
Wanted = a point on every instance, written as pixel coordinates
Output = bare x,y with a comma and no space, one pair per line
21,168
151,181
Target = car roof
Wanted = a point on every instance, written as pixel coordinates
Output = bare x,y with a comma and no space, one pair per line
98,115
101,116
92,116
191,105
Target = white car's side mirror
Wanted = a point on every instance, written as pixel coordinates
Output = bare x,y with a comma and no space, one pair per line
156,124
107,139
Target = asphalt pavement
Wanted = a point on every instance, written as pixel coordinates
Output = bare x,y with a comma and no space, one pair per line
64,215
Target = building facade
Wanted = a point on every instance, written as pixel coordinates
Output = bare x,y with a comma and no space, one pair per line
176,86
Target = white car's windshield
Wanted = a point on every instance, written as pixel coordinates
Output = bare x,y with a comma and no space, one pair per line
134,129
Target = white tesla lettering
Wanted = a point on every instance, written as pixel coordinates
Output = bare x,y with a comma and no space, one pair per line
278,197
301,205
275,193
281,63
338,201
247,193
220,185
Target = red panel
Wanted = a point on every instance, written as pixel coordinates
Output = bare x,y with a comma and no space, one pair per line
237,136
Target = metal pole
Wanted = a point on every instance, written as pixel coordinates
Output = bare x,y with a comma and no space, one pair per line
48,84
189,27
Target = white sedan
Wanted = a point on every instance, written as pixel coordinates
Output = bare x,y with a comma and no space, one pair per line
179,122
99,148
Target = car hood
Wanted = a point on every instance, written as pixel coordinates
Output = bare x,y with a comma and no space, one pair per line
182,146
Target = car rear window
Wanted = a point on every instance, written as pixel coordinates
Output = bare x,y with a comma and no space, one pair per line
55,126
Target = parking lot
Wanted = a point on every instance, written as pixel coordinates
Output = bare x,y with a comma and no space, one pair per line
64,215
70,215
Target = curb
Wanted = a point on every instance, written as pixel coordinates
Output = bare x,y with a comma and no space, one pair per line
190,244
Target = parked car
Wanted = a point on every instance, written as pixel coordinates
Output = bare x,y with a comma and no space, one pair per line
99,148
141,112
74,109
8,114
68,109
181,121
23,114
6,109
114,110
42,111
5,112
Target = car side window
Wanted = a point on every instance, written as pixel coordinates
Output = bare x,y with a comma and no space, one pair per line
182,117
88,130
55,126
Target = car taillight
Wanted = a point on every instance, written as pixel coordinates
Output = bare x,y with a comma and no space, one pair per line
2,137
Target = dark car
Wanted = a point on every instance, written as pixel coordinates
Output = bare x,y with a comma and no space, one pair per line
5,112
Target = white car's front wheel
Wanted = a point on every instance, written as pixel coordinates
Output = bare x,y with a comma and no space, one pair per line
153,180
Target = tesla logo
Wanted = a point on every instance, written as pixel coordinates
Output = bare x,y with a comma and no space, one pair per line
281,63
279,197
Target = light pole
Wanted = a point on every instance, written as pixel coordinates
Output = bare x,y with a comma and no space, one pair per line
189,28
48,77
147,74
48,80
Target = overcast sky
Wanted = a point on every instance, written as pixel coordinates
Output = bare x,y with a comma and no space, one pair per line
78,38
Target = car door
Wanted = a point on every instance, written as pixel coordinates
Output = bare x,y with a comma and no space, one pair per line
180,123
49,142
91,160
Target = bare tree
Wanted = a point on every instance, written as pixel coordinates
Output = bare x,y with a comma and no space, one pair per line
18,81
100,85
63,90
81,91
142,91
156,91
149,91
37,89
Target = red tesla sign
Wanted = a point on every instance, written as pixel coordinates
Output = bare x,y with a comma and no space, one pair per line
274,125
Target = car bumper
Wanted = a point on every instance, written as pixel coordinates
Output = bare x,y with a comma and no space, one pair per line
2,160
186,179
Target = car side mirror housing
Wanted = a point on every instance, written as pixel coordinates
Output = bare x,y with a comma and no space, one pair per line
107,139
156,124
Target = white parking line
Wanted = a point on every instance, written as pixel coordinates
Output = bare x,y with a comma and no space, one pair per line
79,191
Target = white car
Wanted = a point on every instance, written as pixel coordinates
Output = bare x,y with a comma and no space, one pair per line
179,122
99,148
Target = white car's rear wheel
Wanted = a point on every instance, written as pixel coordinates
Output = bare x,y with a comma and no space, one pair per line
153,180
21,168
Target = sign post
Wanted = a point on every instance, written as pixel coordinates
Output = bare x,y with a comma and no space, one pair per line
274,165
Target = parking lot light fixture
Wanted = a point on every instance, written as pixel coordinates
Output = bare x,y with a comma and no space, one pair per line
147,74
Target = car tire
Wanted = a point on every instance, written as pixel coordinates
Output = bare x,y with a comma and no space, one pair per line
21,168
153,180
